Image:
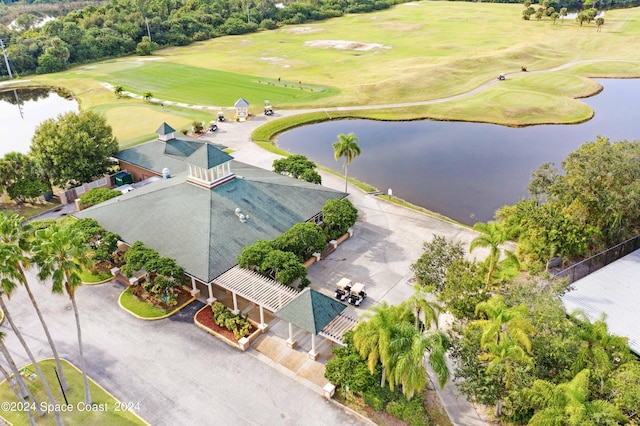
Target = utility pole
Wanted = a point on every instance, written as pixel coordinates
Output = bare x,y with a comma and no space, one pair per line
6,59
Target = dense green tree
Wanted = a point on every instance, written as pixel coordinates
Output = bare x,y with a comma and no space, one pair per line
437,256
599,351
624,383
21,177
338,216
299,167
74,148
601,186
253,255
348,369
569,404
346,146
545,230
284,267
302,239
505,339
464,288
60,254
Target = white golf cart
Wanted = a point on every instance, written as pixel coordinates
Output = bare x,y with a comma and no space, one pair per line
342,288
357,294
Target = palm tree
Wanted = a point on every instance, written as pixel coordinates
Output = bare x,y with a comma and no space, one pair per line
147,96
493,235
420,306
371,338
22,390
60,253
407,349
118,89
346,146
505,337
12,231
569,403
503,322
598,348
9,276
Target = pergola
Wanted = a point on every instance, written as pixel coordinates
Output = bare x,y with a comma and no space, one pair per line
264,292
316,314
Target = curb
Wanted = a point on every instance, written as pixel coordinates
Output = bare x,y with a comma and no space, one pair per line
175,311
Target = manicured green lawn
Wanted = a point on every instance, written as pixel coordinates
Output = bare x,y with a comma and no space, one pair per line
88,277
202,86
141,309
412,52
105,404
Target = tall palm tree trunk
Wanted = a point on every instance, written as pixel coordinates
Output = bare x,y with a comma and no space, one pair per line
18,393
346,175
63,380
36,367
26,392
87,391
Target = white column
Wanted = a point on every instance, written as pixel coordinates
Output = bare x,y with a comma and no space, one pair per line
235,303
262,326
194,290
313,354
290,342
211,299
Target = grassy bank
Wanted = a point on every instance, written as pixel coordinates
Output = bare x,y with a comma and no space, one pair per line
105,411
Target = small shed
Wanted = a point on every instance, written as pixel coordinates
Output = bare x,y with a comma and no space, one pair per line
242,109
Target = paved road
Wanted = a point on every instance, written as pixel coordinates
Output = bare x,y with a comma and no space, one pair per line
180,374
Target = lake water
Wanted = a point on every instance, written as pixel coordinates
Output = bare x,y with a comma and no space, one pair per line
465,170
19,121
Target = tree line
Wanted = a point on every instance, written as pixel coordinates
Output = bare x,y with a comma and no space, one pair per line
121,28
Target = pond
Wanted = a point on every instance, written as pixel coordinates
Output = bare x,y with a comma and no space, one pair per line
465,171
21,111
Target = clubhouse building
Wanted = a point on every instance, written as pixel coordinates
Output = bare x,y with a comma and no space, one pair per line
196,204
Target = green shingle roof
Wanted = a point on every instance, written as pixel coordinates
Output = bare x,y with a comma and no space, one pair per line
311,310
174,154
165,129
197,226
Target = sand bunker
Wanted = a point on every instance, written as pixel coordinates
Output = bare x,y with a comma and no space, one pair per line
345,45
302,30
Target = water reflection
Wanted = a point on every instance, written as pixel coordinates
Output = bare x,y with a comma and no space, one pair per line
465,170
22,110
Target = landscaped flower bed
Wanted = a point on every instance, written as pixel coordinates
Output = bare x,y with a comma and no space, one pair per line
204,319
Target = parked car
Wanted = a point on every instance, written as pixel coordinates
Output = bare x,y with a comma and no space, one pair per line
356,294
342,288
268,110
220,116
213,126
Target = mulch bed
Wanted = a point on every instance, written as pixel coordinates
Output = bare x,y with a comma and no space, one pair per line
205,318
